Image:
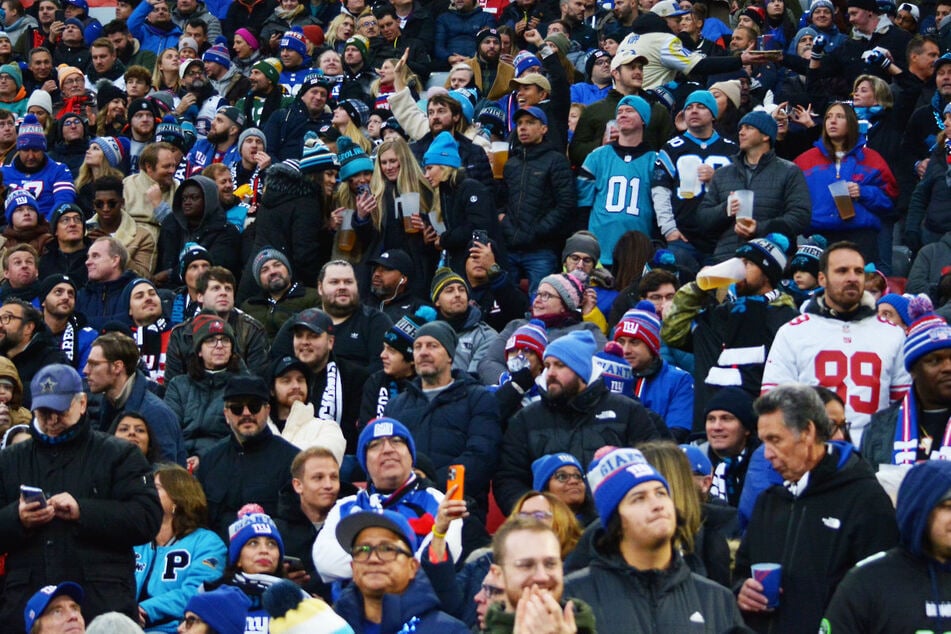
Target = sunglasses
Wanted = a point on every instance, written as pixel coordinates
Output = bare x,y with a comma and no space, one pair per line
237,407
111,204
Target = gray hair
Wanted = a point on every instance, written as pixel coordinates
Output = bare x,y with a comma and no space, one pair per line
799,405
116,250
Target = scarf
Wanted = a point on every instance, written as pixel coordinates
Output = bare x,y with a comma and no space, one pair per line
152,342
906,442
68,342
331,401
288,16
725,478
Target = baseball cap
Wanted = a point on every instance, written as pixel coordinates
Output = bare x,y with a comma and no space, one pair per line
315,320
350,526
54,387
627,56
39,601
668,9
527,79
395,260
287,363
532,111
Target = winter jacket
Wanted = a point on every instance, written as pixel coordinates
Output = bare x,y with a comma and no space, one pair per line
276,24
861,165
474,337
112,482
247,13
592,419
200,408
417,609
71,264
780,201
590,129
101,302
137,241
150,37
290,215
456,32
232,474
166,577
51,184
214,232
625,599
137,205
39,353
392,236
202,13
498,621
541,197
273,313
378,391
163,422
930,202
251,338
900,590
925,271
493,363
465,207
500,301
669,391
19,415
205,153
745,325
285,129
460,425
841,517
845,61
298,534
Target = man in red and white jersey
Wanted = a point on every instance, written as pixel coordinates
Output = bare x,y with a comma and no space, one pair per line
841,343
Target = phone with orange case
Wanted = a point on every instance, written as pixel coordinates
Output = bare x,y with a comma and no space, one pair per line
457,477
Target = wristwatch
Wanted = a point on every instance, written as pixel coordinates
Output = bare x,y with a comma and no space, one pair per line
494,271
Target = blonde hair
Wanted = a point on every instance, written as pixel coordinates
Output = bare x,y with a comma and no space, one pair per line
883,95
410,178
356,135
331,32
563,522
89,174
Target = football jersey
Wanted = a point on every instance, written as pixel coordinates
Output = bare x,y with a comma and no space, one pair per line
862,361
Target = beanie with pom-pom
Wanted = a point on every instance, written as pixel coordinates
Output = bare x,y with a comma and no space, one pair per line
927,332
768,253
615,372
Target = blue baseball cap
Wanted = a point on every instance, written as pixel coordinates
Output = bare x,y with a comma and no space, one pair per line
699,462
54,387
351,526
532,111
38,602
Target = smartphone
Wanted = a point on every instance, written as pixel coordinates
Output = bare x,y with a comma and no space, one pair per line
33,494
457,477
363,190
59,16
293,563
481,236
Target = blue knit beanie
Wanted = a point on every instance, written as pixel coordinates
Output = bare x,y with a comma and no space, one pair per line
925,486
383,427
443,151
224,609
115,148
899,303
927,331
760,120
638,103
523,61
294,40
353,160
250,526
31,136
545,467
615,471
705,98
615,371
575,350
16,198
468,110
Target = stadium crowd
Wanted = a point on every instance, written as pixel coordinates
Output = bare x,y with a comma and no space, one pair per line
450,316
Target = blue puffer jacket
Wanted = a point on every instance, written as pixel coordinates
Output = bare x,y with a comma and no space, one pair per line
669,392
456,32
151,38
416,610
877,187
460,425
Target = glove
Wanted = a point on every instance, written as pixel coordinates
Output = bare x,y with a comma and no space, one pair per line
819,47
876,57
913,240
524,379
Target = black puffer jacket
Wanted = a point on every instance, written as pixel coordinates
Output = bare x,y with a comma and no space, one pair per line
594,418
625,599
200,406
541,197
214,232
112,482
465,207
290,216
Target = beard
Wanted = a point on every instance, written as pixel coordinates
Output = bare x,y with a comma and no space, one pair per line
338,310
217,137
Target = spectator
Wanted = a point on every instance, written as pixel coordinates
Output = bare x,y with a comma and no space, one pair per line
193,261
133,428
598,74
279,298
25,340
286,128
223,610
490,74
215,292
149,326
697,321
251,464
404,592
24,226
460,404
66,253
19,269
392,284
56,608
658,385
197,396
116,386
631,554
574,401
457,32
868,370
221,143
264,96
183,554
867,600
151,24
561,475
820,478
491,287
387,453
518,385
104,483
57,298
731,440
148,194
100,299
31,165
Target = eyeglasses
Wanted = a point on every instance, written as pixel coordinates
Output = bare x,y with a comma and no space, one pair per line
237,407
386,552
71,220
844,425
574,259
73,122
111,204
565,477
194,72
395,442
368,23
546,296
6,318
491,592
217,340
192,621
541,516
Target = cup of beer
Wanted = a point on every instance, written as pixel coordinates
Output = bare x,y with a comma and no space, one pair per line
688,170
745,196
721,275
408,205
500,156
346,236
843,201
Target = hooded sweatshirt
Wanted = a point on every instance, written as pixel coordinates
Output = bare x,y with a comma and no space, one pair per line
19,415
